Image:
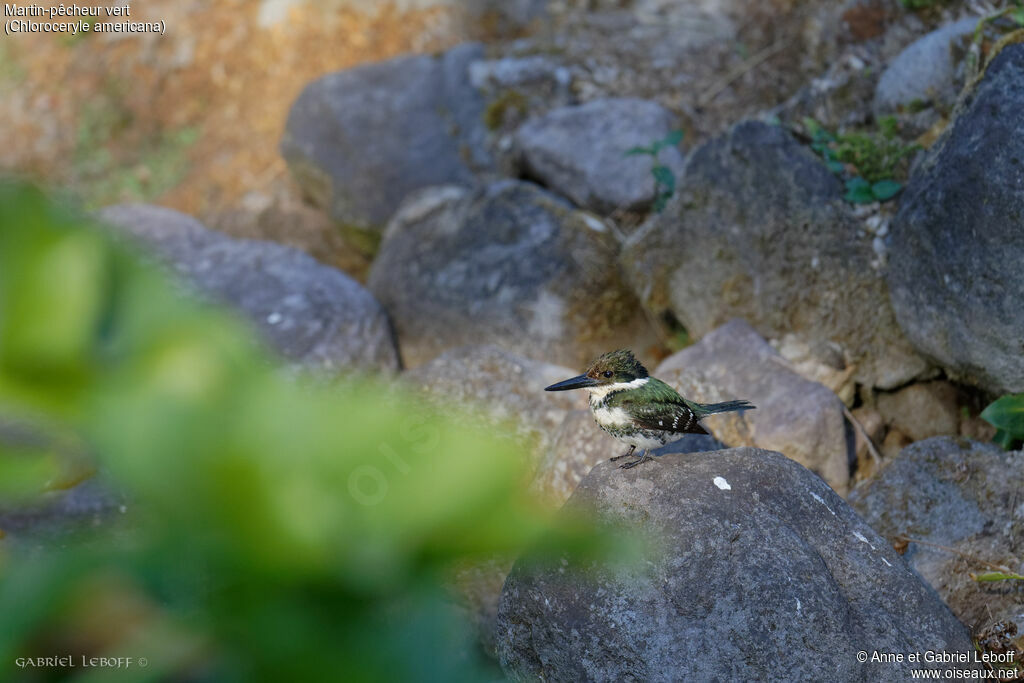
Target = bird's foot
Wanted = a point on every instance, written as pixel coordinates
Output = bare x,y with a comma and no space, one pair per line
624,455
643,457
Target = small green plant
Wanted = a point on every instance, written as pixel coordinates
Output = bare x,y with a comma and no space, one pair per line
997,576
920,4
868,162
860,191
511,105
664,177
1007,416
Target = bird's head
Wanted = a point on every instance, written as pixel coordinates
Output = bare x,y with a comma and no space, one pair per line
614,367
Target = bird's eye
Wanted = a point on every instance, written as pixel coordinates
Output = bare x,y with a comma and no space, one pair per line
607,373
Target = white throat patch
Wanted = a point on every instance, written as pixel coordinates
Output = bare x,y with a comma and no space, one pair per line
602,391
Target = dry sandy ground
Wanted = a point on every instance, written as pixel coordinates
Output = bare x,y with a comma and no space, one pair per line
190,119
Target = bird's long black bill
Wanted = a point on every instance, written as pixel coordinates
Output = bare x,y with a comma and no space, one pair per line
581,382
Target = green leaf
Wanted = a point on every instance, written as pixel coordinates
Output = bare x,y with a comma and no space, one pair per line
889,126
813,127
635,151
858,191
1003,440
664,176
886,189
835,166
673,139
998,576
1006,414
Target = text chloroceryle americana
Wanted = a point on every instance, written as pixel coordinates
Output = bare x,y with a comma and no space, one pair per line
637,409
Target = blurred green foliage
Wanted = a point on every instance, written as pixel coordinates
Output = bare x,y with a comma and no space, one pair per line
1007,416
279,529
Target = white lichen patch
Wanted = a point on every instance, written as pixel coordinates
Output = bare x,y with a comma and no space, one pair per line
721,483
862,538
594,223
821,500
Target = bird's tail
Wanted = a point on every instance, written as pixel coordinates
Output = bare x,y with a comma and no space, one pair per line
726,407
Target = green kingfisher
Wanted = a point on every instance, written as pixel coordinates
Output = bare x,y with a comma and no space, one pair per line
637,409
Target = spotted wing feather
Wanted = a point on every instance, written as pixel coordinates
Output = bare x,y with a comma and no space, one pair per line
661,408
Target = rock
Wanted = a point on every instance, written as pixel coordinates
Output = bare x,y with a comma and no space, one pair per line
872,427
509,265
579,445
961,500
581,152
700,24
494,75
756,571
359,141
824,364
973,427
515,88
75,501
894,442
505,389
281,217
961,216
924,73
802,419
58,515
314,315
758,230
922,410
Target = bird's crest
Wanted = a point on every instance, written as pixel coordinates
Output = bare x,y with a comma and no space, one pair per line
620,363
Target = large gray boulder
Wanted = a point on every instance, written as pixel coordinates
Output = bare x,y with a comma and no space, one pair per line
359,141
802,419
510,265
314,315
957,242
756,571
758,230
580,152
925,72
959,501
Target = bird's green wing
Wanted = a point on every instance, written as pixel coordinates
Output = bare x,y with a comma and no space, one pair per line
658,406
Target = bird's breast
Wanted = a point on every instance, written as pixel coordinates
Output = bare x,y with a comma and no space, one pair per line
611,417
